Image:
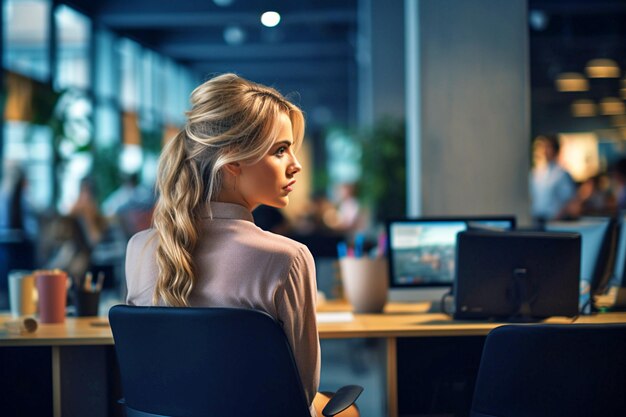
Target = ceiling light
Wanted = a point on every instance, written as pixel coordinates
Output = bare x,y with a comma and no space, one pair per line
571,81
619,120
538,19
270,19
610,106
234,35
602,68
583,108
223,3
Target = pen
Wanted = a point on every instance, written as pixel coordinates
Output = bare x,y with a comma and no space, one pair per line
342,249
359,240
382,244
87,283
100,281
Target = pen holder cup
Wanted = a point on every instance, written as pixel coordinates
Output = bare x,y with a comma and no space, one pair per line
87,303
365,283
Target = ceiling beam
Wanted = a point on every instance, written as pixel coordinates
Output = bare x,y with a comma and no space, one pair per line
194,52
299,70
586,7
161,20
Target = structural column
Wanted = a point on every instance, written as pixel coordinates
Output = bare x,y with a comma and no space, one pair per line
380,60
467,103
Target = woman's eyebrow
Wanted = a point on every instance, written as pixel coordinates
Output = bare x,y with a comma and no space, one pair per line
284,142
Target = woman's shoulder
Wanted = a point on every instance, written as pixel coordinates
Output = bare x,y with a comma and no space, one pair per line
142,238
278,243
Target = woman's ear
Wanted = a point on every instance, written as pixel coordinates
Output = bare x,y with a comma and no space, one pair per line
233,168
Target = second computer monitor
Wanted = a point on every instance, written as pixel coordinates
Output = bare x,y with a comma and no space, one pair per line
422,251
517,275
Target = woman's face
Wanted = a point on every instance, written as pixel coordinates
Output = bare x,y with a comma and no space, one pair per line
270,180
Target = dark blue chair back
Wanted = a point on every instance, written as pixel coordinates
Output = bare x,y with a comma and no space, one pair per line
552,371
189,362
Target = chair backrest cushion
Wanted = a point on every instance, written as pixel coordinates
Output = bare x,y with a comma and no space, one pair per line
188,362
552,370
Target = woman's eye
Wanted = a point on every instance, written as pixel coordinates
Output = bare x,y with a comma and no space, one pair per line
280,151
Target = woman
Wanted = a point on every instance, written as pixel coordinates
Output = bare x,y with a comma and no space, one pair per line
237,151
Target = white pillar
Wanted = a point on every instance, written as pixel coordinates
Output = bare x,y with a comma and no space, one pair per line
467,105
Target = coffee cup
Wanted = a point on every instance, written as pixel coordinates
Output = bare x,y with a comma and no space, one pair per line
22,293
52,290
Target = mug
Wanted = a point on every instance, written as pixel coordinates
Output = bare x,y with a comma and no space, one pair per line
22,293
52,289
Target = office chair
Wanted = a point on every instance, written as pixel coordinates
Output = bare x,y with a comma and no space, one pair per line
552,371
188,362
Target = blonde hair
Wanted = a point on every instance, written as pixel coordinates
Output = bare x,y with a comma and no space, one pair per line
231,120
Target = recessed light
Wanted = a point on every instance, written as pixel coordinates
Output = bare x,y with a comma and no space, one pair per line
571,81
602,68
270,19
583,108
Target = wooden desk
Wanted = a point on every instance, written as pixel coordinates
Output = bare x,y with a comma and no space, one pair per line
398,321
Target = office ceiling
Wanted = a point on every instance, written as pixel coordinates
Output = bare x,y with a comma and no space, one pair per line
564,36
313,49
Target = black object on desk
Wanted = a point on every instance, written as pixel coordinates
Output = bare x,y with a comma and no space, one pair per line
517,275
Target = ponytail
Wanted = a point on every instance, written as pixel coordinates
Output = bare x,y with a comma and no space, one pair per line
175,215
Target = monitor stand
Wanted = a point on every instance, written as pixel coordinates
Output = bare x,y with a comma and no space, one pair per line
433,295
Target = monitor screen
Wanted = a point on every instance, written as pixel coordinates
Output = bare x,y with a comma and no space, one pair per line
517,275
593,231
422,251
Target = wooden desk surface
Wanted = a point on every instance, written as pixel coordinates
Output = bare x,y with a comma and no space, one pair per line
399,320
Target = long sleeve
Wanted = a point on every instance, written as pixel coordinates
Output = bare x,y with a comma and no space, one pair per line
296,310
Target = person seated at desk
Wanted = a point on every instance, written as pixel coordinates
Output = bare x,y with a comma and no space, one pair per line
237,151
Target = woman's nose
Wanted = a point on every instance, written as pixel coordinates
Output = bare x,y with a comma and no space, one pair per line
295,167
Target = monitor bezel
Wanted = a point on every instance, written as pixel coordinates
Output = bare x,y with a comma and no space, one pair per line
604,265
434,219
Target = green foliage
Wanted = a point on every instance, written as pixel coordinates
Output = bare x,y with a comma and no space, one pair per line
151,140
44,104
106,169
383,178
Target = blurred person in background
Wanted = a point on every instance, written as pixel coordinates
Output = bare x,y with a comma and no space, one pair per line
594,197
271,219
551,186
618,174
132,205
16,212
87,211
132,194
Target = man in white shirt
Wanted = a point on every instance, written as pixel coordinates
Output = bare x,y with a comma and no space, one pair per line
551,186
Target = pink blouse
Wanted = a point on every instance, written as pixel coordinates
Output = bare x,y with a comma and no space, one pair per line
240,265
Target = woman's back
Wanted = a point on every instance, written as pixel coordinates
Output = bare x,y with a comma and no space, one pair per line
240,265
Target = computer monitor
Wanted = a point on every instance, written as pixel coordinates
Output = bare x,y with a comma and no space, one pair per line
517,275
599,241
422,253
618,278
